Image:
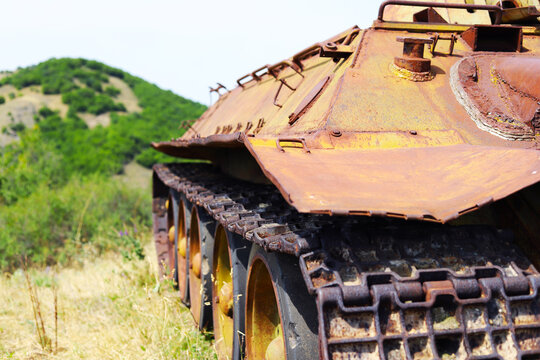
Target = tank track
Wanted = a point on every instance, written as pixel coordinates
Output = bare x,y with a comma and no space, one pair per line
385,288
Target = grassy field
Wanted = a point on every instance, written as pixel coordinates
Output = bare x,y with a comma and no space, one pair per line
108,308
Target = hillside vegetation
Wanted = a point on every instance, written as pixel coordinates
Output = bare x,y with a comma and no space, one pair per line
59,199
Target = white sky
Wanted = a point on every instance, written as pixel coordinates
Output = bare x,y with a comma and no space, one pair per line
184,46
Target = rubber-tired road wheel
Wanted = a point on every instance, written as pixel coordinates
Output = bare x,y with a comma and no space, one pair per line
201,247
231,255
281,317
181,224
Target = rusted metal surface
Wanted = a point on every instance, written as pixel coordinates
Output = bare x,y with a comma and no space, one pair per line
285,84
429,15
436,37
501,93
430,183
311,97
386,289
218,88
335,51
362,124
308,100
255,75
256,212
355,101
433,4
480,38
411,293
413,55
520,15
200,147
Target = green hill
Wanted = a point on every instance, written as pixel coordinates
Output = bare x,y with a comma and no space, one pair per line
67,126
88,88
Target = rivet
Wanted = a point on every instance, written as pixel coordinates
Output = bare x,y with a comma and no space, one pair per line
336,133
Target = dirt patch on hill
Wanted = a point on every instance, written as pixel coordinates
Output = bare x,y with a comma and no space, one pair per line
22,105
32,95
126,96
136,175
94,120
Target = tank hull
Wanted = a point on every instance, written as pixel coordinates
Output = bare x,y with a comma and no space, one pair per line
386,182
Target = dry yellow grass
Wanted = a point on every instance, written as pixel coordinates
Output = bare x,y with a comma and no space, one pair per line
108,309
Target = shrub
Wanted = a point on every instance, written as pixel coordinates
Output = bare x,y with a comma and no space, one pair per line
45,111
57,85
26,163
112,91
17,127
2,100
86,100
54,225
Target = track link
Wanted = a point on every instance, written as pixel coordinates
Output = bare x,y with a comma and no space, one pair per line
385,288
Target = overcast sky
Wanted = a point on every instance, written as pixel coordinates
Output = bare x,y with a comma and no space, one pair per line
184,46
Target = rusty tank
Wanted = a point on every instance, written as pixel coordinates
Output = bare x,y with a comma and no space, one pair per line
374,196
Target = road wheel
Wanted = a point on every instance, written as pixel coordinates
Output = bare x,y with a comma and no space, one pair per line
181,222
281,317
231,255
161,226
201,247
170,265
